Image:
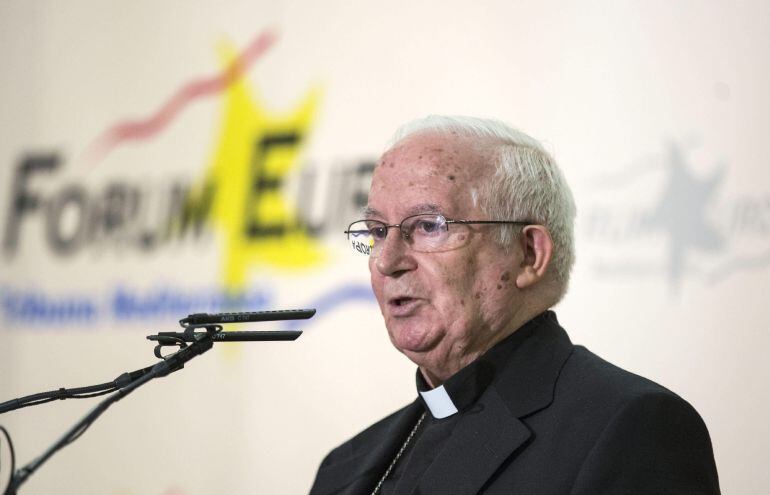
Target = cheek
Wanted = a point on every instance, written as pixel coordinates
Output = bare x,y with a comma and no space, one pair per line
376,281
460,289
478,293
498,298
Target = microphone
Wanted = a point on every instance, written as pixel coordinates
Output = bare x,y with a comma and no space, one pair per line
245,317
173,338
212,322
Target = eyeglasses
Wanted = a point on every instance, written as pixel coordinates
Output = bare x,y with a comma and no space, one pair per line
424,233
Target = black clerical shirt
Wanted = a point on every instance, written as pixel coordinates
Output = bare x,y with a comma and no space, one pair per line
462,390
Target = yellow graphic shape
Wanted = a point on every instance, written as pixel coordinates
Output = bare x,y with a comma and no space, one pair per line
256,151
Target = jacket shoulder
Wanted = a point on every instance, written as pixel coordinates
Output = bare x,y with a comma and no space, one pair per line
637,433
606,385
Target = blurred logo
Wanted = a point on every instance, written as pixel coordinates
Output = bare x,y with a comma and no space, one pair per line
257,195
689,228
255,154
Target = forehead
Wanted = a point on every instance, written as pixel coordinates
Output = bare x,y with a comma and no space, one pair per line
430,172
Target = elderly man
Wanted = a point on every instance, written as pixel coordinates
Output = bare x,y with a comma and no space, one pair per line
469,233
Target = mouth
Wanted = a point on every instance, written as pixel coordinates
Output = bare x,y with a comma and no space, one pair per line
403,305
400,301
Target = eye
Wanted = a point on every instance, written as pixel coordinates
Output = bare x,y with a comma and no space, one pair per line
427,226
377,230
378,233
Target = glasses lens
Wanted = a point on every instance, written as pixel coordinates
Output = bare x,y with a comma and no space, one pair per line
426,232
362,234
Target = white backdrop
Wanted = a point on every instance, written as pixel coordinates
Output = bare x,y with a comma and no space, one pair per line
657,111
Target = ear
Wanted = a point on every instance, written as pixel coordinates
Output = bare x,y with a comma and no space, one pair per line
537,248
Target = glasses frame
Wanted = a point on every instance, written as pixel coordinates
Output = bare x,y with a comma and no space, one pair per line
448,221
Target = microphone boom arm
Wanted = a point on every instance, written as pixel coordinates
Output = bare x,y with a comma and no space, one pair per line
199,342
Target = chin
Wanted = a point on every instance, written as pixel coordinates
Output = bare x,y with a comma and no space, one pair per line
410,338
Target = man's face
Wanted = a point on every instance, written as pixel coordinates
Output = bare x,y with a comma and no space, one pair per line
441,309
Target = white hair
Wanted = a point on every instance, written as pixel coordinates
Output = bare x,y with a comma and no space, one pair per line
526,185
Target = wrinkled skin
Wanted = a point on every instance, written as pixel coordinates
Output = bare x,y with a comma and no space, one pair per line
444,309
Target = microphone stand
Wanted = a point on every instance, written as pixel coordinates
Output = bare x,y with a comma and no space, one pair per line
170,364
200,342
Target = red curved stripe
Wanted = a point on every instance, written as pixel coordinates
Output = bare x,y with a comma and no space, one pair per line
131,130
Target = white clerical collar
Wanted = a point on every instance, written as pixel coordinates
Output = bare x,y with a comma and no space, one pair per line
439,402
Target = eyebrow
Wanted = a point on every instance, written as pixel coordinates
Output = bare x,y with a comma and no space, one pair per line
369,212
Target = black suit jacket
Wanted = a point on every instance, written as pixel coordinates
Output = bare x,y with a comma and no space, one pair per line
556,419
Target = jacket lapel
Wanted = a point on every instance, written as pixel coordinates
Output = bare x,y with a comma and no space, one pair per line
359,473
479,444
492,431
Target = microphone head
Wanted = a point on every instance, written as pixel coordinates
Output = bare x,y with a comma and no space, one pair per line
246,317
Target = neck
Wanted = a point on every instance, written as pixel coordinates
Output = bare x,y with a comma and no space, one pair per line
437,375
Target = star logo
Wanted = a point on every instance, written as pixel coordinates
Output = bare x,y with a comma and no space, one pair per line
681,213
256,151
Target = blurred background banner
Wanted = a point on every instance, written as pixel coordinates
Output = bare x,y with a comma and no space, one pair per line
164,158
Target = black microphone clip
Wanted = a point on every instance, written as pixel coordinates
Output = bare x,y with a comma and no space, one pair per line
212,324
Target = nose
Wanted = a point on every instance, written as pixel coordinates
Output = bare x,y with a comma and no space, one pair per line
394,256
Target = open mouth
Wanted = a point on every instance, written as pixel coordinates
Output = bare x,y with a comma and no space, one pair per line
403,306
401,301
